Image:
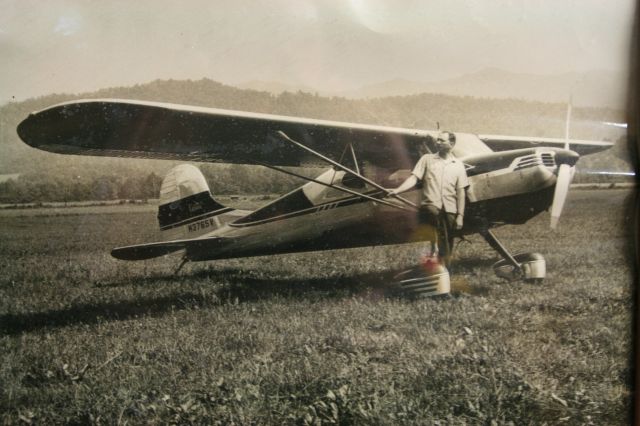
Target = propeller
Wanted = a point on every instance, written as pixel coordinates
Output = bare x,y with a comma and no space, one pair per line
566,160
560,194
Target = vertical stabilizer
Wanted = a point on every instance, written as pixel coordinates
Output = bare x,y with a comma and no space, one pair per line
187,209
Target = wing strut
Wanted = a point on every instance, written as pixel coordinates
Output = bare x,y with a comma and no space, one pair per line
353,156
284,136
347,190
355,160
497,246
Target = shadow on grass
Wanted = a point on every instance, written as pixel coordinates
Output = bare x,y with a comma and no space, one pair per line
215,276
93,313
247,288
468,264
239,276
240,288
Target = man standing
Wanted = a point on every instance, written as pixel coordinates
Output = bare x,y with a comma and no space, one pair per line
444,181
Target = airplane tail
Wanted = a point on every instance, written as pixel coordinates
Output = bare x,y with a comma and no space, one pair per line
187,209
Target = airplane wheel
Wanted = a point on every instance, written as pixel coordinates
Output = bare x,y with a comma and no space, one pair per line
421,281
532,268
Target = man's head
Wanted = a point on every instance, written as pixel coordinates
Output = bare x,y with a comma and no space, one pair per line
445,142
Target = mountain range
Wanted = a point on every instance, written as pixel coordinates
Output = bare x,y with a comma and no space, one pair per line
597,88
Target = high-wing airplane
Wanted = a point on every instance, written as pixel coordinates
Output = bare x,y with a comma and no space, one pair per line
512,179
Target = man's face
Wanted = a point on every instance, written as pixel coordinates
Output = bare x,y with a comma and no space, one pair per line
443,144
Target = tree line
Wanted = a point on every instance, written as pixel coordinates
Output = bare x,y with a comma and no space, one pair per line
222,179
51,177
31,188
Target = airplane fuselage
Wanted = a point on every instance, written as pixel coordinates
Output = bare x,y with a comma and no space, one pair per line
507,187
512,179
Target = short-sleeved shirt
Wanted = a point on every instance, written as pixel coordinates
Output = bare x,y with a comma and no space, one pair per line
441,178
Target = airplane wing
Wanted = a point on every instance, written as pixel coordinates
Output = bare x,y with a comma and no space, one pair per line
151,250
124,128
138,129
504,143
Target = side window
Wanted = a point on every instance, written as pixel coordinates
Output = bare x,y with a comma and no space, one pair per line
345,180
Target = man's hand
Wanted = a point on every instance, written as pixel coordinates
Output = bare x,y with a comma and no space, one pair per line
459,221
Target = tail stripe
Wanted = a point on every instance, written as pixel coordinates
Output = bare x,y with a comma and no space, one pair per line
196,218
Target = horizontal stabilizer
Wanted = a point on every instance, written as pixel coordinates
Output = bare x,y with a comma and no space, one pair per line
146,251
151,250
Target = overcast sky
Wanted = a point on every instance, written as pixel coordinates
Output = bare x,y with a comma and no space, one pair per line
74,46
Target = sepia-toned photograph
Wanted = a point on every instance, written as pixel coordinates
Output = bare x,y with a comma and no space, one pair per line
317,212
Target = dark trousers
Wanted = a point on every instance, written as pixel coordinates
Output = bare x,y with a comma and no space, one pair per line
439,227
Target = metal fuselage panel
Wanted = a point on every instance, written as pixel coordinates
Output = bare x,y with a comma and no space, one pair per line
339,227
517,188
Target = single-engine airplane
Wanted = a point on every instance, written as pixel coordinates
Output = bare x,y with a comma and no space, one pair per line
512,179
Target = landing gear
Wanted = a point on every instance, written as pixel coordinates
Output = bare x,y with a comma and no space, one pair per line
530,267
429,278
182,263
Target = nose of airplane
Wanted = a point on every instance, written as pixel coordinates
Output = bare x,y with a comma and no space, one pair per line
566,156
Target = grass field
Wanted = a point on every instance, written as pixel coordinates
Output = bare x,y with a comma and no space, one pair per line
311,338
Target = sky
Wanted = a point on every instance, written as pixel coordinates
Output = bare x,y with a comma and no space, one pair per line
331,45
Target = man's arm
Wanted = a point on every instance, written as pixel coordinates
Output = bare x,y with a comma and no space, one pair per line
412,180
460,200
461,189
408,184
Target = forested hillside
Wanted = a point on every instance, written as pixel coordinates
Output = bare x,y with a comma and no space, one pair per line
52,177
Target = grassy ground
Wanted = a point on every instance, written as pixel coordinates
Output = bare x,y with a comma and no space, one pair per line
312,338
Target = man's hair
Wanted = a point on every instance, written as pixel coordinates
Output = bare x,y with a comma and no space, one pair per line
451,135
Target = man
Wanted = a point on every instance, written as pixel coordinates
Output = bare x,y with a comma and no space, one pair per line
444,181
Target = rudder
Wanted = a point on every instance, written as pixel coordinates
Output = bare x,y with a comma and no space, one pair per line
187,208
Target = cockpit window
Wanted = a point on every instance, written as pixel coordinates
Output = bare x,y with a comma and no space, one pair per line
353,182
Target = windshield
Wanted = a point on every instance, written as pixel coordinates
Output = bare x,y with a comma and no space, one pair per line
469,144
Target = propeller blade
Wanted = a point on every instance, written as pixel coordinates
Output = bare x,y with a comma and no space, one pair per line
560,195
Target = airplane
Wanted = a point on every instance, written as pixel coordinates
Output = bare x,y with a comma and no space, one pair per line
512,179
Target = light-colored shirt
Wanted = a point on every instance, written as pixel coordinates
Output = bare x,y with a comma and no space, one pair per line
441,178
